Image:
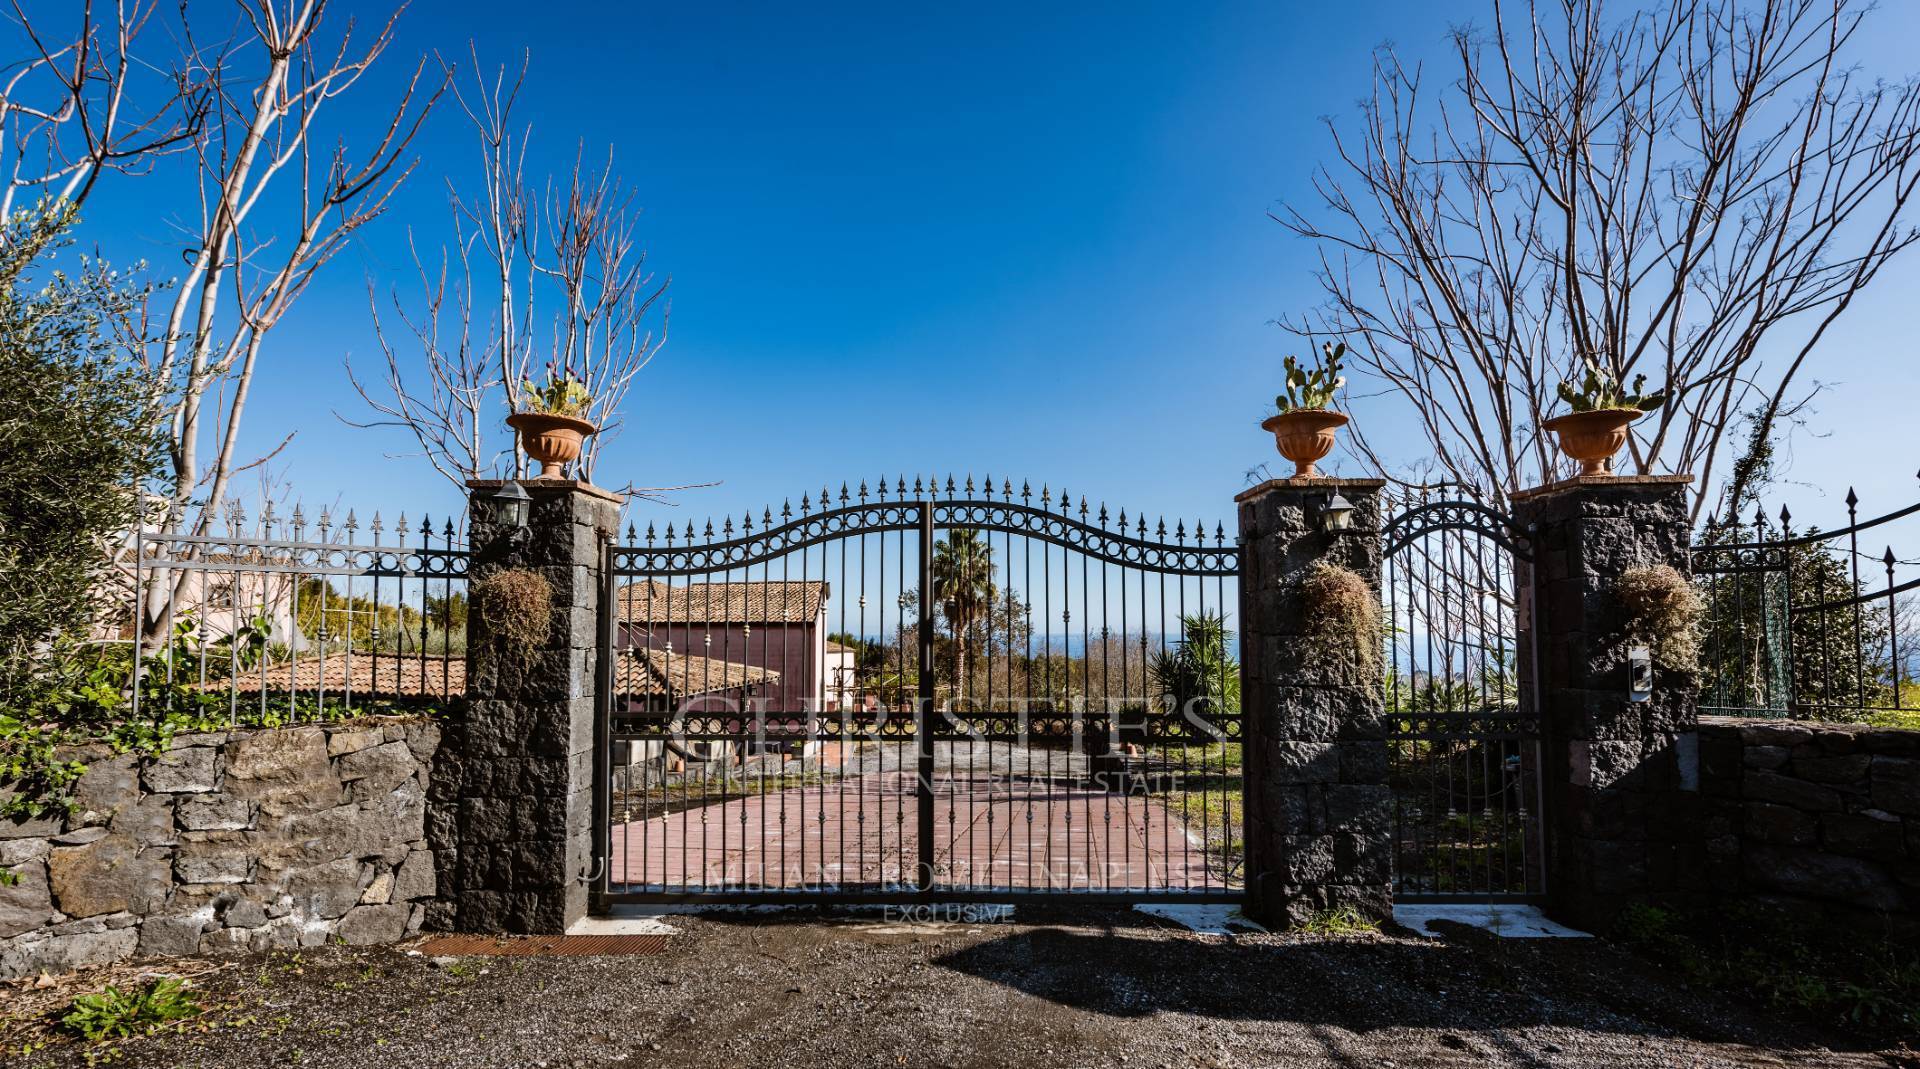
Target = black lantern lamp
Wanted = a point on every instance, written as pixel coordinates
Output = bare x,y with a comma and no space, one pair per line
1337,514
511,505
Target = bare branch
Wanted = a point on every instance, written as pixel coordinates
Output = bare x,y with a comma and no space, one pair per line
1696,192
270,94
568,258
66,117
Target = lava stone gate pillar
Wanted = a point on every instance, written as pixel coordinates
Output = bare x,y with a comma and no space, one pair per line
1318,808
1621,776
513,821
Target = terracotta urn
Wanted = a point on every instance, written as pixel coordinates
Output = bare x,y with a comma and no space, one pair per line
553,440
1305,436
1592,438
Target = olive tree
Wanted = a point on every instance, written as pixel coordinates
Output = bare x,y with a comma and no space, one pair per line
76,429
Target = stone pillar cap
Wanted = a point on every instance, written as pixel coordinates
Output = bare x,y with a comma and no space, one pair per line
1621,482
1323,482
538,486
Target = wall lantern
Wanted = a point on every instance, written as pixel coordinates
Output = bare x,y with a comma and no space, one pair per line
1336,514
510,510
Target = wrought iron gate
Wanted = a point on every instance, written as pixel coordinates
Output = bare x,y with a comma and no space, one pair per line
916,691
1464,736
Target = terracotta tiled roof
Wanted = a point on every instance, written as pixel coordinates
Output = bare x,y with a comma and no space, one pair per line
648,673
781,602
386,676
659,673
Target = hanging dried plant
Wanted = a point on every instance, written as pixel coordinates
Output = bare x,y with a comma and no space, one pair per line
1342,615
517,605
1663,612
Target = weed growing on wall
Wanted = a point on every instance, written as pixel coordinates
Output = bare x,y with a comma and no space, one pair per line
517,605
1342,615
1663,612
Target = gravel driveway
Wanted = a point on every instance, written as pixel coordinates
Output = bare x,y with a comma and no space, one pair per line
1080,987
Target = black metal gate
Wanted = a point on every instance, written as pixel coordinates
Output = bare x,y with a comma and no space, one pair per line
911,691
1464,736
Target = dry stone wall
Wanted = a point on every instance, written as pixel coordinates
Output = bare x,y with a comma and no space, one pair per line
1814,816
236,841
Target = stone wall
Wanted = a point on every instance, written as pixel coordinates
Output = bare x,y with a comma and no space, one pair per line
1824,817
226,842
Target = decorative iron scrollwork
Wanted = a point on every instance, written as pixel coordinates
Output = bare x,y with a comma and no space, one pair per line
243,555
1464,726
1471,516
1028,728
1737,559
1199,556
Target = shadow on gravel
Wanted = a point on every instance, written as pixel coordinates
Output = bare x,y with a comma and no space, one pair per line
1466,982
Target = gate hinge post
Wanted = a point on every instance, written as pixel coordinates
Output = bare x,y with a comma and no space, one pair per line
1606,753
532,742
1314,716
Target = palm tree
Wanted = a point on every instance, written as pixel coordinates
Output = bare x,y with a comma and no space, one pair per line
1199,675
963,587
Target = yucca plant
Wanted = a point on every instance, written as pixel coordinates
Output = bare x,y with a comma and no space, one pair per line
1312,389
1199,675
1600,389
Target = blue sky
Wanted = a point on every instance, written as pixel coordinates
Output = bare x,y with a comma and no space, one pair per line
1026,239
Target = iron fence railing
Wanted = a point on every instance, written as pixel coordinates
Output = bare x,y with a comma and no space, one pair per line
1811,624
282,621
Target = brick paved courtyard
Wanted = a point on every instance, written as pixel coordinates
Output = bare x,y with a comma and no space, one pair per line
990,831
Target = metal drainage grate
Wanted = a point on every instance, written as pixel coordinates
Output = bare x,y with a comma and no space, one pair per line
543,945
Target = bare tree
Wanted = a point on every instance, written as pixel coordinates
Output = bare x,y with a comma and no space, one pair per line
450,418
465,370
603,332
88,100
566,260
1696,192
257,160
